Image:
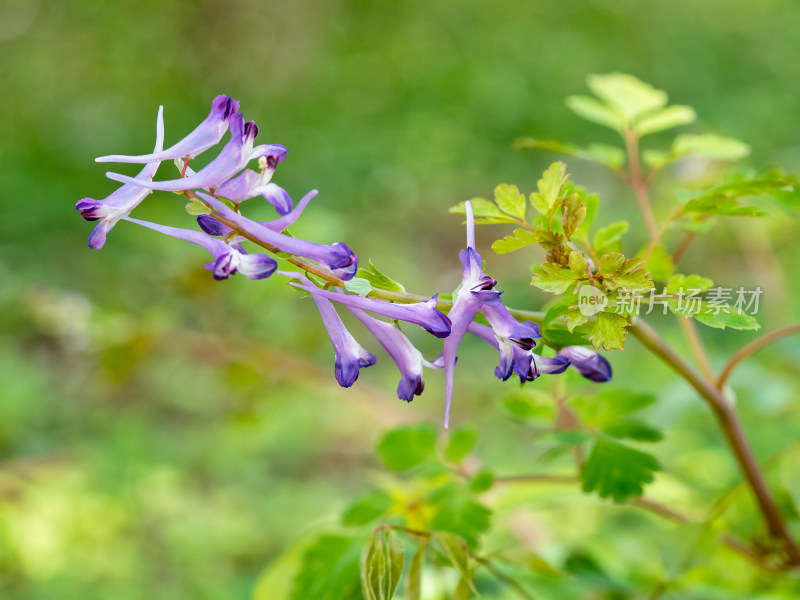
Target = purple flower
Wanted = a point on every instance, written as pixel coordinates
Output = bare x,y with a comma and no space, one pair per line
228,258
213,227
231,159
121,202
251,184
350,356
336,257
206,135
588,363
513,359
405,355
476,290
423,314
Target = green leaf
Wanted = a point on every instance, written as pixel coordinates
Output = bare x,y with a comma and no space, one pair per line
560,336
195,207
395,554
509,199
413,583
358,285
633,430
610,156
609,234
481,481
372,569
520,239
329,570
733,319
406,447
710,146
595,111
575,318
454,547
553,278
631,276
682,284
553,179
382,565
460,444
611,263
616,471
367,508
578,264
659,263
484,211
608,331
527,406
626,95
573,212
463,590
672,116
379,280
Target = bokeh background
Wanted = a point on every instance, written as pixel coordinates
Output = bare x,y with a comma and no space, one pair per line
166,436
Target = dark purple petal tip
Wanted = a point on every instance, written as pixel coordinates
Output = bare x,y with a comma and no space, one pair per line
410,387
211,226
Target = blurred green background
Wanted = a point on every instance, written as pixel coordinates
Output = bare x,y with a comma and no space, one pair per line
165,436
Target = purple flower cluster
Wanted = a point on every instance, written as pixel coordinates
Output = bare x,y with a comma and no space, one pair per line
226,181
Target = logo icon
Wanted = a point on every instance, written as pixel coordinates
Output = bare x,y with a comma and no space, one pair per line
591,300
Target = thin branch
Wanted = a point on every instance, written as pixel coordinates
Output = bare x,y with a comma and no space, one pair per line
689,329
683,247
638,182
731,428
752,348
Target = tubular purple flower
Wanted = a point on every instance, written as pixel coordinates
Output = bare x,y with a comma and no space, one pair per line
513,359
231,159
408,359
205,135
350,356
476,290
423,314
250,184
550,366
228,258
213,227
505,326
588,363
121,202
337,257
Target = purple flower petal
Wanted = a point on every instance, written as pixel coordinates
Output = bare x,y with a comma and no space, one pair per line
231,159
227,258
206,135
588,363
211,226
405,355
513,359
550,366
122,201
423,314
335,256
506,326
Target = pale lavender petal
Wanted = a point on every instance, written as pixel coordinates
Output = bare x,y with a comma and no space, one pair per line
550,366
588,363
278,197
423,314
506,326
256,266
205,135
232,159
335,256
123,200
405,355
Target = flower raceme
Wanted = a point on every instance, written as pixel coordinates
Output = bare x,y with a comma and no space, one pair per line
219,189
